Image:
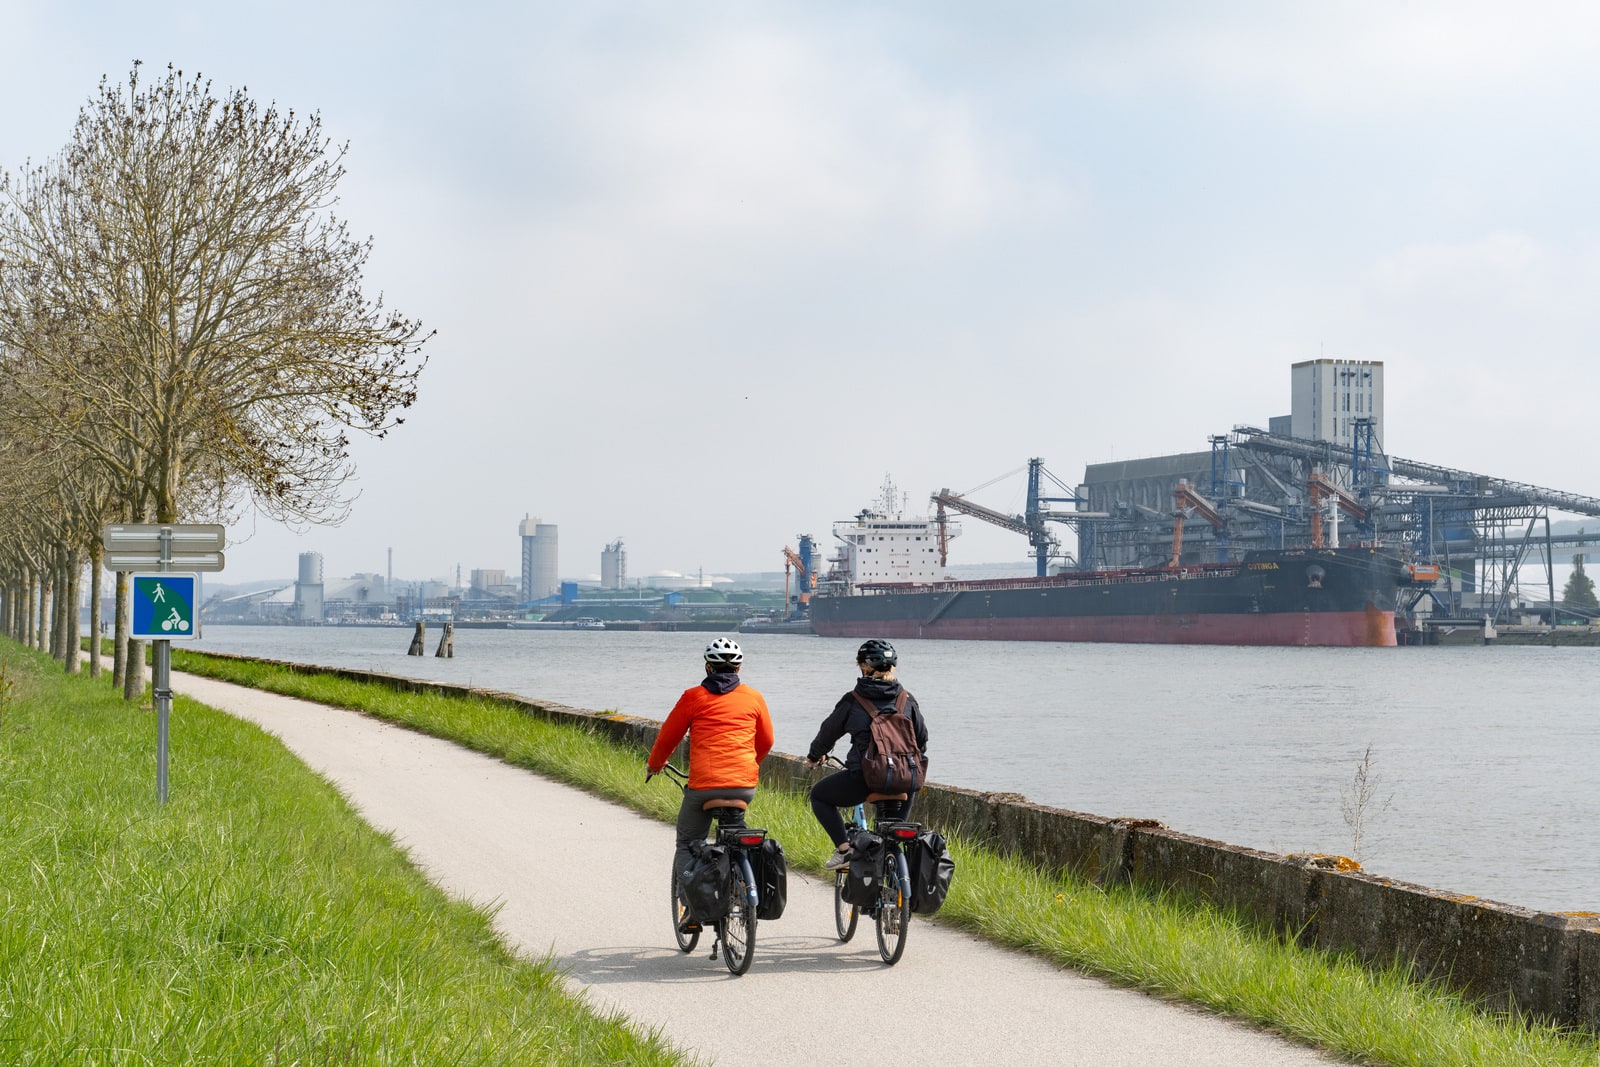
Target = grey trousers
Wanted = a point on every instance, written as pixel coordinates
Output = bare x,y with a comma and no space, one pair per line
694,823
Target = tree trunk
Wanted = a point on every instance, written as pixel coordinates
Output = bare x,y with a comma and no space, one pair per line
97,553
58,625
133,684
27,609
47,607
74,641
119,639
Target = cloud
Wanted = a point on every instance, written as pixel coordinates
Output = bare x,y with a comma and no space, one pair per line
1360,55
1506,270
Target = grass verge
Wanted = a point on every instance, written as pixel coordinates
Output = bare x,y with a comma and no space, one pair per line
256,918
1179,948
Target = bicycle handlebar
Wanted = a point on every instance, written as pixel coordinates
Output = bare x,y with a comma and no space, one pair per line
675,773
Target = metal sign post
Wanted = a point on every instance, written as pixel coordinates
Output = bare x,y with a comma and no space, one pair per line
163,611
161,684
165,607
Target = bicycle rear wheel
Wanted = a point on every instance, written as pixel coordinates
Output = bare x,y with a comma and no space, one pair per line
687,939
894,912
844,912
739,928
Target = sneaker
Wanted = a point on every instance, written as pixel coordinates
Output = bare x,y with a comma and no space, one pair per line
840,858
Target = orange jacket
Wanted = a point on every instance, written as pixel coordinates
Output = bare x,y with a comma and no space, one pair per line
729,736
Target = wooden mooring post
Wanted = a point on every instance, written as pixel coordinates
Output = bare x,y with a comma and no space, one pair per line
417,648
447,642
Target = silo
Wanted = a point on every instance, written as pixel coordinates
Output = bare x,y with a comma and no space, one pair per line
540,568
308,589
613,566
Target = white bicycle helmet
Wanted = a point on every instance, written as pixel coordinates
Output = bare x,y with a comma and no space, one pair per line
724,653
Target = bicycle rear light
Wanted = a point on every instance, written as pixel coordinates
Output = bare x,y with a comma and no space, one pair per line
751,839
905,832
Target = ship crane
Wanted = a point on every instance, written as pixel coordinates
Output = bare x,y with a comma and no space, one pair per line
802,564
1186,500
1321,488
1030,524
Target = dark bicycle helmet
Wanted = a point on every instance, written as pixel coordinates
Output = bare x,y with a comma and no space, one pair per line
877,654
724,653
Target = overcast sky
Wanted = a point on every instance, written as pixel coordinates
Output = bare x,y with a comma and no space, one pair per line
703,274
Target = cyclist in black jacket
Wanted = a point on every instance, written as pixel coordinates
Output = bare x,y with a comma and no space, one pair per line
845,789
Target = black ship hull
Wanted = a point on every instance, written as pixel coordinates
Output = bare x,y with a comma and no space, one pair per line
1330,597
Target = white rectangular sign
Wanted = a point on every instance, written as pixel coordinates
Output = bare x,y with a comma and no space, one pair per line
149,561
145,538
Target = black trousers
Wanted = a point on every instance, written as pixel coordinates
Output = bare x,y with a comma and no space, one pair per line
844,789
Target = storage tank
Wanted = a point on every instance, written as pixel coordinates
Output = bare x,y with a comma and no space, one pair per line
613,566
540,567
308,589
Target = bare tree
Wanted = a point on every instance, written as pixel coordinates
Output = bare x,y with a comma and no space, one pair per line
181,306
179,271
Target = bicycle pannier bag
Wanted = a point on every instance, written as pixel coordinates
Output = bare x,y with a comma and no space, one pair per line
704,881
892,762
772,880
932,867
866,869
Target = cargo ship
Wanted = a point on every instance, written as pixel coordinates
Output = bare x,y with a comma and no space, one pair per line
887,582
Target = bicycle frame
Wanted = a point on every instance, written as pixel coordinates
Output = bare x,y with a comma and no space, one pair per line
730,831
890,909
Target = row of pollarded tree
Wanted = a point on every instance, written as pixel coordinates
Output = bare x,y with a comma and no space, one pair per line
183,332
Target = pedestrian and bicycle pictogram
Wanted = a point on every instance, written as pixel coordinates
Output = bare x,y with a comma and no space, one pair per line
163,606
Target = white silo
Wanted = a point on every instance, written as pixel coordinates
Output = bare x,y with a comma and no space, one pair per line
613,566
308,589
541,574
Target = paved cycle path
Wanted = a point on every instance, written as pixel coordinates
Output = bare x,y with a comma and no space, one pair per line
586,881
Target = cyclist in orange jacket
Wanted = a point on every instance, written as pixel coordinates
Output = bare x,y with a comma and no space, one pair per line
730,733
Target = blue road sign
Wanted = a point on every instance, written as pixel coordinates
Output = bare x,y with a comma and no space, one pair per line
163,607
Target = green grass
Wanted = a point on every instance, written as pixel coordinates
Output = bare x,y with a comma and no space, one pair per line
255,918
1183,949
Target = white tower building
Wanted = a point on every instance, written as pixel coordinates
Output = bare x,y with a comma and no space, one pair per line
1329,395
541,574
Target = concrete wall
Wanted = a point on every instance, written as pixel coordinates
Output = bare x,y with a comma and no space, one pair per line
1542,962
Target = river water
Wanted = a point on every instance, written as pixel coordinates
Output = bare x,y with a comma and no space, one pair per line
1484,760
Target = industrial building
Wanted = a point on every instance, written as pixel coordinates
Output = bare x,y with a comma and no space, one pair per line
613,566
541,575
308,589
1316,477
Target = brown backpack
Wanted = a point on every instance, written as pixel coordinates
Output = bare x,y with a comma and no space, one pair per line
893,763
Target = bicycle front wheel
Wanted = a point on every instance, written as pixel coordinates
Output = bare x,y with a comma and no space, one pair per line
894,911
687,939
739,928
844,912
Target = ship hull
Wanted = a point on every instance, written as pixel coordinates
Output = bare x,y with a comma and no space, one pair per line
1330,597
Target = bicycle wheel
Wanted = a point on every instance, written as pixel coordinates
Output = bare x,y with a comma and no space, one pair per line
687,940
844,912
894,911
739,928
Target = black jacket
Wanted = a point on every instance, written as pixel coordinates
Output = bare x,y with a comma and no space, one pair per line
849,717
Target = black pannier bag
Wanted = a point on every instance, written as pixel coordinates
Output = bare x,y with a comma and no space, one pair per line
772,879
866,869
704,881
932,867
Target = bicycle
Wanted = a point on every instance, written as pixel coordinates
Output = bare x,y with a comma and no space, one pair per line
891,910
735,931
